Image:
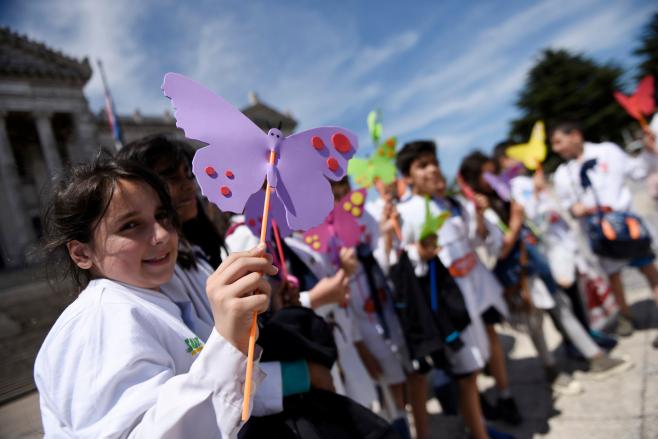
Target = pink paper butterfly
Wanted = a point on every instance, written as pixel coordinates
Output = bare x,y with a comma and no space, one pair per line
340,228
235,164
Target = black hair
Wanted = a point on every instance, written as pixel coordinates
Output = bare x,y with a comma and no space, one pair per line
471,170
164,149
411,151
566,127
79,200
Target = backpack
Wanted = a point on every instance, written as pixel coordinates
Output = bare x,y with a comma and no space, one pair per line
614,234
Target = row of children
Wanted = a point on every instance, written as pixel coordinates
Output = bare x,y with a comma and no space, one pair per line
155,344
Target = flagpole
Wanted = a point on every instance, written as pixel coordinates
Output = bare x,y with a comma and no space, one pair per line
110,112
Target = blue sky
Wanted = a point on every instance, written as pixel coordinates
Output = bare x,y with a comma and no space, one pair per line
446,70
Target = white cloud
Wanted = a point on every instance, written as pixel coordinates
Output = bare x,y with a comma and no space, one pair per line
604,29
97,30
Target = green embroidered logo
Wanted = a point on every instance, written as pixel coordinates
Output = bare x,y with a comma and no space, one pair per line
194,345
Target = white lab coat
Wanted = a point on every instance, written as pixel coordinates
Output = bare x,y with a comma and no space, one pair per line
607,178
187,289
117,364
612,168
480,288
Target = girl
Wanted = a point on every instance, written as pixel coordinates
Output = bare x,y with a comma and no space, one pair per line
171,160
120,361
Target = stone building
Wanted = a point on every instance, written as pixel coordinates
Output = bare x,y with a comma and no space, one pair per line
46,123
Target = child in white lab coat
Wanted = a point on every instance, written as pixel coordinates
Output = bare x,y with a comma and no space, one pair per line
120,361
607,192
201,250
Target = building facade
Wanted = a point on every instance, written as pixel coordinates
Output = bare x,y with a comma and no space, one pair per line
46,124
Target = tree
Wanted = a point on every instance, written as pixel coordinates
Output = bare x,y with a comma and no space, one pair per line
567,86
648,49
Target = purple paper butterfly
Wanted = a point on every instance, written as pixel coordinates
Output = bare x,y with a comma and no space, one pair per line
253,214
235,164
501,183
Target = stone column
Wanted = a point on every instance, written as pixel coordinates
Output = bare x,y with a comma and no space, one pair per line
85,144
48,143
16,228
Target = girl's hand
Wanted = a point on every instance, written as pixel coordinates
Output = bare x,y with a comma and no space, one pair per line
287,294
236,290
348,260
334,289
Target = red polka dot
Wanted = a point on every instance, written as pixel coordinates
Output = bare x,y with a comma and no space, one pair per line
252,222
225,191
341,142
332,164
230,174
317,143
210,171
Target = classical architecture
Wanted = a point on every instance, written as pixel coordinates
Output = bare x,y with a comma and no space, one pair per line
46,123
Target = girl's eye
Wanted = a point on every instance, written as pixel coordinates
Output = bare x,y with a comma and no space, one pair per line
129,225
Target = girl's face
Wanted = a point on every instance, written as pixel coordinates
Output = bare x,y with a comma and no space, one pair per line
134,242
425,176
180,183
489,167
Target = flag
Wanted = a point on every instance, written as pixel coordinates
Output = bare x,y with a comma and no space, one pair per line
112,118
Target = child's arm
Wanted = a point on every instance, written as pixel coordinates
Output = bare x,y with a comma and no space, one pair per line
515,225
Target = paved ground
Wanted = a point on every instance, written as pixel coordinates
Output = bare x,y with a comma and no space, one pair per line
622,406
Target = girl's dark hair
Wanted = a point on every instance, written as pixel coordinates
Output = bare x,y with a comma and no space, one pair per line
410,152
166,150
470,171
79,200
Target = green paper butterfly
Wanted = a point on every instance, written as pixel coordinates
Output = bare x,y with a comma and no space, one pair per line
432,223
381,164
375,126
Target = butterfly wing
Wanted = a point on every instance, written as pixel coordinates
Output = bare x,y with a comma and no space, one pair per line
253,215
361,171
374,126
318,237
511,172
531,154
383,161
498,184
645,95
233,165
347,228
354,202
628,104
306,161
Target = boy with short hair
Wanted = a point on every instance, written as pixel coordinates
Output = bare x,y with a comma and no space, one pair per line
418,164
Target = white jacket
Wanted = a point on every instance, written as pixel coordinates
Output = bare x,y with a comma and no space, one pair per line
119,362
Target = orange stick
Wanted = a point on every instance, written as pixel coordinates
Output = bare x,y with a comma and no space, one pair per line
643,122
252,330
